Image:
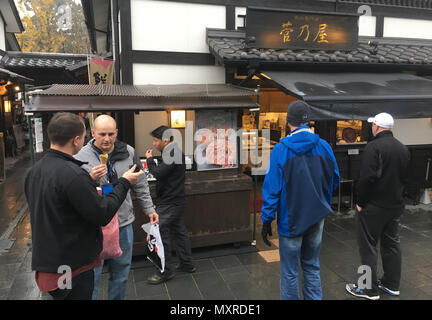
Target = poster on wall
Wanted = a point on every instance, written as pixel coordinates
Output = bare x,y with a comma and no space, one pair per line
38,133
216,139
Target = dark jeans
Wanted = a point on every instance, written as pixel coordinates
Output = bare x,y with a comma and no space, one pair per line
378,224
82,288
174,235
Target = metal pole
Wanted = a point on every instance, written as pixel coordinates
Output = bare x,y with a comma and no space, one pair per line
30,127
29,123
255,176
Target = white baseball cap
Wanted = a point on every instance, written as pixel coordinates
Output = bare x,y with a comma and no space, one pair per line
383,120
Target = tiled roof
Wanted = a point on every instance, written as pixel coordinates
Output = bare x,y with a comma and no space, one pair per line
166,91
16,59
227,45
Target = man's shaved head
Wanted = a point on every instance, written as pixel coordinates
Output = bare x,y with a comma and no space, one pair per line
104,120
105,133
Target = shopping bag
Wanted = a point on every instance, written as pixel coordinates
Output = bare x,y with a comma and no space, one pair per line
111,246
154,250
111,242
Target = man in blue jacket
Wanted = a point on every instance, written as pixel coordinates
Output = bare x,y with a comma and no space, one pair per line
298,186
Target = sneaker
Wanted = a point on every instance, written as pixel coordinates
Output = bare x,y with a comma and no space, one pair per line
158,278
356,291
394,293
186,268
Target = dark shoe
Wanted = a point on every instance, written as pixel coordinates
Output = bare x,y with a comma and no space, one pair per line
159,278
394,293
186,268
356,291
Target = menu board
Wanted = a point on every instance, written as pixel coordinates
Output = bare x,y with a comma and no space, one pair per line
216,139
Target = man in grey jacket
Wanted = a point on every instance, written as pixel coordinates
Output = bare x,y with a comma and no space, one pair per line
121,157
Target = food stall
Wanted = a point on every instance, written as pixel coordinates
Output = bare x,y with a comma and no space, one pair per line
217,191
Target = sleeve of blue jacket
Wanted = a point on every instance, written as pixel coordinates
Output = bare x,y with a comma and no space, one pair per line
272,188
336,176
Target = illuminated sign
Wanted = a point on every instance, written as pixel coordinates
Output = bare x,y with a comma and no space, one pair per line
288,29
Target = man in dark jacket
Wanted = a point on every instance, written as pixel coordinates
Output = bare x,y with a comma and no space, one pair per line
66,212
298,186
170,191
380,204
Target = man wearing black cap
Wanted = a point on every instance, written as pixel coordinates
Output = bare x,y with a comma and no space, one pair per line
170,175
298,186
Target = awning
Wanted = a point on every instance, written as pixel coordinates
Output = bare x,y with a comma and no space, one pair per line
91,98
358,95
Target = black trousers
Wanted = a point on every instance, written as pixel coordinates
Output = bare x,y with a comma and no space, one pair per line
376,224
82,288
174,235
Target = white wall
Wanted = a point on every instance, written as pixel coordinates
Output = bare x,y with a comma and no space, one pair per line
176,74
407,28
367,26
413,131
2,35
173,26
239,22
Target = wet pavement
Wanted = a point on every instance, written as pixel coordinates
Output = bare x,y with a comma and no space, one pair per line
227,272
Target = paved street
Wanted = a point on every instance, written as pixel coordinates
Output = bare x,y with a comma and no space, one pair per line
228,272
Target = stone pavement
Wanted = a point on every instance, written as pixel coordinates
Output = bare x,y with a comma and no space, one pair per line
238,273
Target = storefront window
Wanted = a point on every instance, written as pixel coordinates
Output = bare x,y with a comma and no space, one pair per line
351,131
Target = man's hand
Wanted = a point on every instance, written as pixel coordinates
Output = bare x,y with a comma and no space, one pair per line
149,153
154,218
266,230
359,209
132,176
98,172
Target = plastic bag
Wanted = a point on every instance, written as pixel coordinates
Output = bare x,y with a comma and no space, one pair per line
155,250
111,241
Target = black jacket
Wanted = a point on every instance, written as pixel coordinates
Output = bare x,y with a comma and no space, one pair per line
384,172
170,178
66,212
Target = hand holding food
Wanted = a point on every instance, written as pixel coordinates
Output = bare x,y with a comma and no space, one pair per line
98,172
149,153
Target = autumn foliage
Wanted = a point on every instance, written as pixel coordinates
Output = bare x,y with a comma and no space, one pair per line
42,33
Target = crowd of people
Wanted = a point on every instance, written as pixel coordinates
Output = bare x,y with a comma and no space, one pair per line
67,212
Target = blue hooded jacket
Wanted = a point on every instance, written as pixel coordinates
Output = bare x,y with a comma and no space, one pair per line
299,183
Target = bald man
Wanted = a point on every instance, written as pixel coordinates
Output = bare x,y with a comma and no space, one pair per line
121,157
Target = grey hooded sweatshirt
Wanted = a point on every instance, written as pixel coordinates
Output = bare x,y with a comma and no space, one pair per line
121,159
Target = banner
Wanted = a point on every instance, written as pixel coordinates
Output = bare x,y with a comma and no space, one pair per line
101,71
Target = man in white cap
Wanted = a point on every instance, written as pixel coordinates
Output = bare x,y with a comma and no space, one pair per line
383,175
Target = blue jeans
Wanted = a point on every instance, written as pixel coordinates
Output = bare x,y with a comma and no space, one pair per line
118,268
305,249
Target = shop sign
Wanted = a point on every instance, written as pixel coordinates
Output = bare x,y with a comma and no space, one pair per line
289,29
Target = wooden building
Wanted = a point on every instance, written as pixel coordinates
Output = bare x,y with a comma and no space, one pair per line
385,65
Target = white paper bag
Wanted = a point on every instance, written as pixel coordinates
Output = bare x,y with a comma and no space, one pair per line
155,250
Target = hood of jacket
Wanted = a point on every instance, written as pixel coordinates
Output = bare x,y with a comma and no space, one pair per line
120,151
301,140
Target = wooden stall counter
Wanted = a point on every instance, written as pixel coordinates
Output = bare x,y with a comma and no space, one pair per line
217,209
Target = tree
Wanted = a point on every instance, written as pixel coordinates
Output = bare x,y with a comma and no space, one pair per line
43,32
